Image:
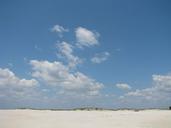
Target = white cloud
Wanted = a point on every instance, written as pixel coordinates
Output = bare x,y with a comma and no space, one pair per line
59,29
58,75
161,90
123,86
9,79
86,37
162,82
100,57
66,51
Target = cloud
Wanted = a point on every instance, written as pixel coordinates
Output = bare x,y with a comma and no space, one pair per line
59,29
86,38
58,75
123,86
66,51
162,82
159,92
9,79
100,57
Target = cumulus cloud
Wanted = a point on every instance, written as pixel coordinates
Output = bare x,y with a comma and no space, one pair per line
66,51
58,75
59,29
123,86
9,79
160,91
85,37
100,57
162,82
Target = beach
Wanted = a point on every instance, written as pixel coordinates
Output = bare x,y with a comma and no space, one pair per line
85,119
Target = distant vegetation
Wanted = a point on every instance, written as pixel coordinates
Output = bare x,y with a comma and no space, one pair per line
91,109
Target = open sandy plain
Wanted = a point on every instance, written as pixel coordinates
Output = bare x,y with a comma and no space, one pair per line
85,119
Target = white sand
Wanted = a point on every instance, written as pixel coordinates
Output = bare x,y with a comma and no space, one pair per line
85,119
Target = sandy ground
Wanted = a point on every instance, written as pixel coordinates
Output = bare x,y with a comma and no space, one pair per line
85,119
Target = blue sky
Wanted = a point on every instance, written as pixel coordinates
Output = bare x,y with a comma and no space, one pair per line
64,54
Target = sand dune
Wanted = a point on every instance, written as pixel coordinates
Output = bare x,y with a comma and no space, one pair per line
85,119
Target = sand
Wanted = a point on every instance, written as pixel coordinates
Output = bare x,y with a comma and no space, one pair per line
85,119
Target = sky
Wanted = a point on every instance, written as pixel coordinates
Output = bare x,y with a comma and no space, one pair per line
67,54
